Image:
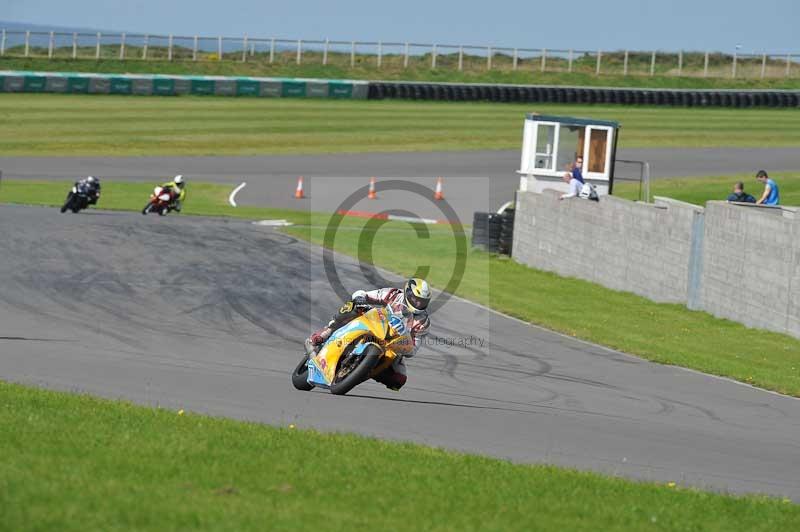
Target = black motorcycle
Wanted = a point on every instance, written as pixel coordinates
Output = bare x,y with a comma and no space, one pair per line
79,198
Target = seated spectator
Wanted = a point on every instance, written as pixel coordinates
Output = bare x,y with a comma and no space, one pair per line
574,186
771,195
577,169
740,195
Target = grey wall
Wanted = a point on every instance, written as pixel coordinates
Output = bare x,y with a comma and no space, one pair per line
733,261
637,247
751,266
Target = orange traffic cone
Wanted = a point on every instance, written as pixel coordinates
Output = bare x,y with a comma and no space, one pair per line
372,194
298,194
438,194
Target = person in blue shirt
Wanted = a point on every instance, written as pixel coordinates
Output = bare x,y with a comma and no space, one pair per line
577,169
739,195
771,195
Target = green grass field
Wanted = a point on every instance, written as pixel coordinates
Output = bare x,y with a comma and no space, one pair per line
83,125
475,72
73,462
699,190
669,334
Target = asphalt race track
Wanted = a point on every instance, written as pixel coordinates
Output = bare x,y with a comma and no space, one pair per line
208,315
474,181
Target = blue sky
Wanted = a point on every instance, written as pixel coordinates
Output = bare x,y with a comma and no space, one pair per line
766,25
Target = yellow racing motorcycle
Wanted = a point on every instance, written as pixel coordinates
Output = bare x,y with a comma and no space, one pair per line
356,352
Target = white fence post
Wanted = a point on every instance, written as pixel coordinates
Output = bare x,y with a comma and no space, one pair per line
380,53
569,68
352,54
3,43
543,66
599,58
299,59
122,47
169,47
97,47
272,51
653,64
625,64
50,46
489,58
763,65
733,65
405,58
194,48
244,49
515,59
144,47
680,62
788,64
433,57
325,53
460,57
219,48
705,65
27,43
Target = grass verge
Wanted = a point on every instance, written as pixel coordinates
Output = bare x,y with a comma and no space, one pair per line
699,190
95,125
365,69
665,333
75,462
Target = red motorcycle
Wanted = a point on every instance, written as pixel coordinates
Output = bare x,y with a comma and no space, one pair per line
162,200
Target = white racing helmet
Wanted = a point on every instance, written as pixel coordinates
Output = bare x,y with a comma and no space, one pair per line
178,180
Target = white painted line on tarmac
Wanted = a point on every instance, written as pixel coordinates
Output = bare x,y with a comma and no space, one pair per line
273,223
232,197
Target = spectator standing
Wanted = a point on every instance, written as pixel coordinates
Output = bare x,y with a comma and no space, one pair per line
771,195
740,195
574,186
577,169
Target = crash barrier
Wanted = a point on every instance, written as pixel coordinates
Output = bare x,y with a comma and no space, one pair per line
147,84
493,232
735,261
379,90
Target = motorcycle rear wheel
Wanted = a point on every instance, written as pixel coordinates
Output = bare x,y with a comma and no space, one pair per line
300,376
343,383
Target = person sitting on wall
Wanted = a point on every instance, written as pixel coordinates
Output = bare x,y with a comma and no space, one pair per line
771,195
574,186
739,195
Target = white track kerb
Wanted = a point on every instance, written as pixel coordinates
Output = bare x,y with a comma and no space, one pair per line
232,197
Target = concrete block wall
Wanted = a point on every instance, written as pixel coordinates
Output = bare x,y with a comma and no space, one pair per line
751,266
624,245
734,261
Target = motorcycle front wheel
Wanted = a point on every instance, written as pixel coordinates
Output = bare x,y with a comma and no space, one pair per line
147,208
300,376
66,204
352,369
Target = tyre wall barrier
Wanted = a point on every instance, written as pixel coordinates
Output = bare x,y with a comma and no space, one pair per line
379,90
146,84
493,232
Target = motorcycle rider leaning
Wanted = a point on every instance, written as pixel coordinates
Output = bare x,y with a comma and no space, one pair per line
177,186
410,303
92,186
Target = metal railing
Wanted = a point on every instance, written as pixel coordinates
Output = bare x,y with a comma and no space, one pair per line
393,55
643,179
